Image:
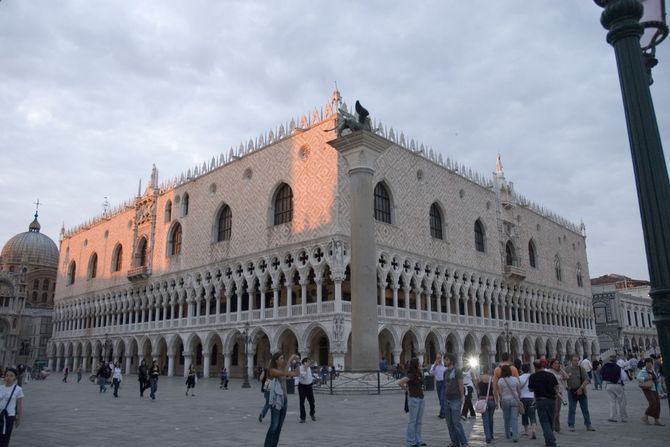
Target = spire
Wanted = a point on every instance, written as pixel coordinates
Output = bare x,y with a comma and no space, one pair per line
61,236
139,189
154,177
34,226
336,98
499,167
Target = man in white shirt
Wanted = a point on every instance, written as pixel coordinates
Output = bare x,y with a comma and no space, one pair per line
437,370
588,367
305,381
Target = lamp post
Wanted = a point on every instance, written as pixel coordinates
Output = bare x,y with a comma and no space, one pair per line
246,339
634,43
507,335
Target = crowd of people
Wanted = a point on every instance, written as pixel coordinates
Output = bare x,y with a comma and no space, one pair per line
536,396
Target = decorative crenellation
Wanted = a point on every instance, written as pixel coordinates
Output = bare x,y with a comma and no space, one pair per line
542,211
108,214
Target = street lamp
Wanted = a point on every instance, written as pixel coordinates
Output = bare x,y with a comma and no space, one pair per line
634,45
507,335
246,339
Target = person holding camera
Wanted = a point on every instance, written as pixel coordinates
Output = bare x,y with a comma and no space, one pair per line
305,391
577,381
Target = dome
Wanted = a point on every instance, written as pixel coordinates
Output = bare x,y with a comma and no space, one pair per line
31,247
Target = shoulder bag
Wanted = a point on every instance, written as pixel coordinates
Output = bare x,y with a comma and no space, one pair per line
481,404
522,408
4,414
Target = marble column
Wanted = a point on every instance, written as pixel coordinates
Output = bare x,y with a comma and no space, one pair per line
361,150
170,371
206,362
187,362
129,360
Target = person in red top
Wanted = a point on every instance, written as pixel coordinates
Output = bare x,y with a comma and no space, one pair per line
504,357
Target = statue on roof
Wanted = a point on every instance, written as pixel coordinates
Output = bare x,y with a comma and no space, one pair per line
345,120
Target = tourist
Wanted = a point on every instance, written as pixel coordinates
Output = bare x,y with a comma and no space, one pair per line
648,382
454,393
382,365
577,382
561,377
437,370
413,385
11,400
278,372
588,366
614,378
324,375
528,402
66,371
117,378
597,376
78,374
544,386
143,377
305,389
469,387
509,387
223,375
154,372
191,379
265,389
504,360
104,373
485,391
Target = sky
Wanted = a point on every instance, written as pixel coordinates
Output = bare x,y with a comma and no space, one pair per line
93,93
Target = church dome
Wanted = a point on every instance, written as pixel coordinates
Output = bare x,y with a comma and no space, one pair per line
31,247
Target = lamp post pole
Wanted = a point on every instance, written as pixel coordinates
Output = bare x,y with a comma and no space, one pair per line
622,19
245,374
507,334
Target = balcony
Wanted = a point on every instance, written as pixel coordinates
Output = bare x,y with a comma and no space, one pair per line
514,271
139,273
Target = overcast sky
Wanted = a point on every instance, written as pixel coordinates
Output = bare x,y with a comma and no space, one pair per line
93,92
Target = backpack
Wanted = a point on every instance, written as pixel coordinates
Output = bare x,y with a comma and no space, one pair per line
611,372
640,364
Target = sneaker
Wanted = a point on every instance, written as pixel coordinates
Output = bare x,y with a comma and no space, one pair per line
589,428
572,428
260,418
313,418
612,420
644,420
657,422
533,436
302,421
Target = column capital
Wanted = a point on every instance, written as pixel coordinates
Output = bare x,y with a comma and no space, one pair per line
361,149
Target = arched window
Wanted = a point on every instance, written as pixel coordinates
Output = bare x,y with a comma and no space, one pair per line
510,258
117,258
479,236
382,203
71,272
557,268
224,224
44,297
580,278
283,205
141,254
168,211
93,266
532,254
435,221
174,241
184,205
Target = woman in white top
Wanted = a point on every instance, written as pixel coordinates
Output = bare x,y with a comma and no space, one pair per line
528,402
561,377
11,400
509,388
117,378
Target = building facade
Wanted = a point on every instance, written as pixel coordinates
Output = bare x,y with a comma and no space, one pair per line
28,268
250,254
623,315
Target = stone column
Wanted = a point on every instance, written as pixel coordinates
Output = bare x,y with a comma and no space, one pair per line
275,300
129,360
170,371
227,362
84,363
206,363
187,362
361,150
94,364
51,363
303,296
59,364
396,356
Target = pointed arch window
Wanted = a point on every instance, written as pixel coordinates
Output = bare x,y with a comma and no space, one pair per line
117,258
532,254
479,236
382,203
510,256
71,273
168,211
224,224
283,205
184,205
174,241
436,221
93,266
142,253
557,268
580,278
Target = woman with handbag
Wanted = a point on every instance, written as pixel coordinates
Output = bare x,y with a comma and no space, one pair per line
412,383
510,402
648,382
486,404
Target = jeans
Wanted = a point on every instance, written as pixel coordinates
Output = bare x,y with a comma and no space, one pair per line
276,422
9,425
439,388
545,413
153,385
487,419
654,408
115,385
144,384
583,405
597,380
510,408
529,416
467,405
102,382
306,392
617,396
557,412
266,407
453,416
416,406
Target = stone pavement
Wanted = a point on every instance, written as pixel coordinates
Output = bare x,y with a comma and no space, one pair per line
58,414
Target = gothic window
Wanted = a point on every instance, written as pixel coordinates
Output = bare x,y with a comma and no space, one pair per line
532,254
510,258
174,241
168,211
36,284
184,205
71,272
435,221
479,236
224,224
283,205
557,268
45,284
44,297
117,258
382,203
93,266
580,278
142,253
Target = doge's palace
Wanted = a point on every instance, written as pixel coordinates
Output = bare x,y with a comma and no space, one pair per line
250,253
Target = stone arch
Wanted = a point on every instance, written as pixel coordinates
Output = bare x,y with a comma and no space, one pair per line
539,347
261,347
452,343
410,345
432,346
132,350
387,344
527,349
470,345
286,341
316,342
487,354
560,350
